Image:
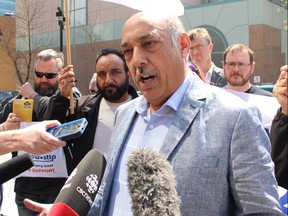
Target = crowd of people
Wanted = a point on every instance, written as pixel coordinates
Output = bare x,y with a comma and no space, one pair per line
223,161
41,188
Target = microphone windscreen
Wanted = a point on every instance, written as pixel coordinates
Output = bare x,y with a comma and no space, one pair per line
61,209
82,185
15,166
152,184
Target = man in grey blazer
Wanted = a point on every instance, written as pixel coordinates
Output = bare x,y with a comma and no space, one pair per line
200,53
215,143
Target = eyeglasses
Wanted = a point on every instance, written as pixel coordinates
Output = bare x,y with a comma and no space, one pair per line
47,75
198,47
240,65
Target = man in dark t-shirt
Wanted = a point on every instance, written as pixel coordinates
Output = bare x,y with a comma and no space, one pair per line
238,66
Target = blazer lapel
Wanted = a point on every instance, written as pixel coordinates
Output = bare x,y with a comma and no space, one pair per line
217,77
194,98
122,131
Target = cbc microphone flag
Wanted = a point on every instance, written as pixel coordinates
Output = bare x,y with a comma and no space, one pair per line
165,7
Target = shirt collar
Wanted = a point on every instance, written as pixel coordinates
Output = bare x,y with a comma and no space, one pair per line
173,102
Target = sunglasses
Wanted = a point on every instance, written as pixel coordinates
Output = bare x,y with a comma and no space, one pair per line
47,75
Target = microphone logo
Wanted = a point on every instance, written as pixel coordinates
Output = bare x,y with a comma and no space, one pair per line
91,186
92,183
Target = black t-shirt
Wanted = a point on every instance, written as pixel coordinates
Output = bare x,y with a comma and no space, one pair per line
258,91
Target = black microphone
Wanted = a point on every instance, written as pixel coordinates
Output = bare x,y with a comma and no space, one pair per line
152,184
15,166
82,185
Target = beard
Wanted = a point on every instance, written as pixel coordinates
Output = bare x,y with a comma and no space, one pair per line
45,89
112,92
237,79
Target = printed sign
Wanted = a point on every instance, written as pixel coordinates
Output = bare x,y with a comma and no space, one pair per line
23,108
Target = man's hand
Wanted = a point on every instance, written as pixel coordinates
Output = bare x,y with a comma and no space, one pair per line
280,89
36,140
12,122
66,80
27,90
41,209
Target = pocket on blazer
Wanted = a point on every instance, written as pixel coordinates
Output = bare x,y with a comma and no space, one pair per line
206,162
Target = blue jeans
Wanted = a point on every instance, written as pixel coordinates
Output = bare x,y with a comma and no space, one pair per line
42,198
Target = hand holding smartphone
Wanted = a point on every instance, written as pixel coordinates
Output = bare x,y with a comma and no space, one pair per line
69,130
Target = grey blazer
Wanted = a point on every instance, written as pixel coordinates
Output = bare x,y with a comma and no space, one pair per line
219,151
218,77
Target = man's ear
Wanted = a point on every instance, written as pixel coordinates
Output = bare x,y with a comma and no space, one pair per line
211,46
184,44
253,67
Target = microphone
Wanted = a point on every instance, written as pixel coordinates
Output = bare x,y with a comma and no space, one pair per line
61,209
151,184
82,185
15,166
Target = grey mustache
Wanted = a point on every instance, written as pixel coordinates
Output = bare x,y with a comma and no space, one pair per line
140,71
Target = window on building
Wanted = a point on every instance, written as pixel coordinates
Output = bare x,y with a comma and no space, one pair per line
7,7
78,13
282,3
210,1
187,3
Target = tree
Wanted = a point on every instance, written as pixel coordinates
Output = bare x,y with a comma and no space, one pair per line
92,36
29,15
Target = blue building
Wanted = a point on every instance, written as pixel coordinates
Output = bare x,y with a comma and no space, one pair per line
7,7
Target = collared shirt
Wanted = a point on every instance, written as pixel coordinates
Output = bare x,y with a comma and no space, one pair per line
147,131
209,74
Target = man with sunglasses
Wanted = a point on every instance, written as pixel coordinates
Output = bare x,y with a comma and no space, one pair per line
47,66
200,53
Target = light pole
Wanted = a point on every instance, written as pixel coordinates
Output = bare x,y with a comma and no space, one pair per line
61,21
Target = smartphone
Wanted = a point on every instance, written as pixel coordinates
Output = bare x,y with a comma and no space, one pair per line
69,130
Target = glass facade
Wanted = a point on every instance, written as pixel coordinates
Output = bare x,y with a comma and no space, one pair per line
7,7
187,3
282,3
78,13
